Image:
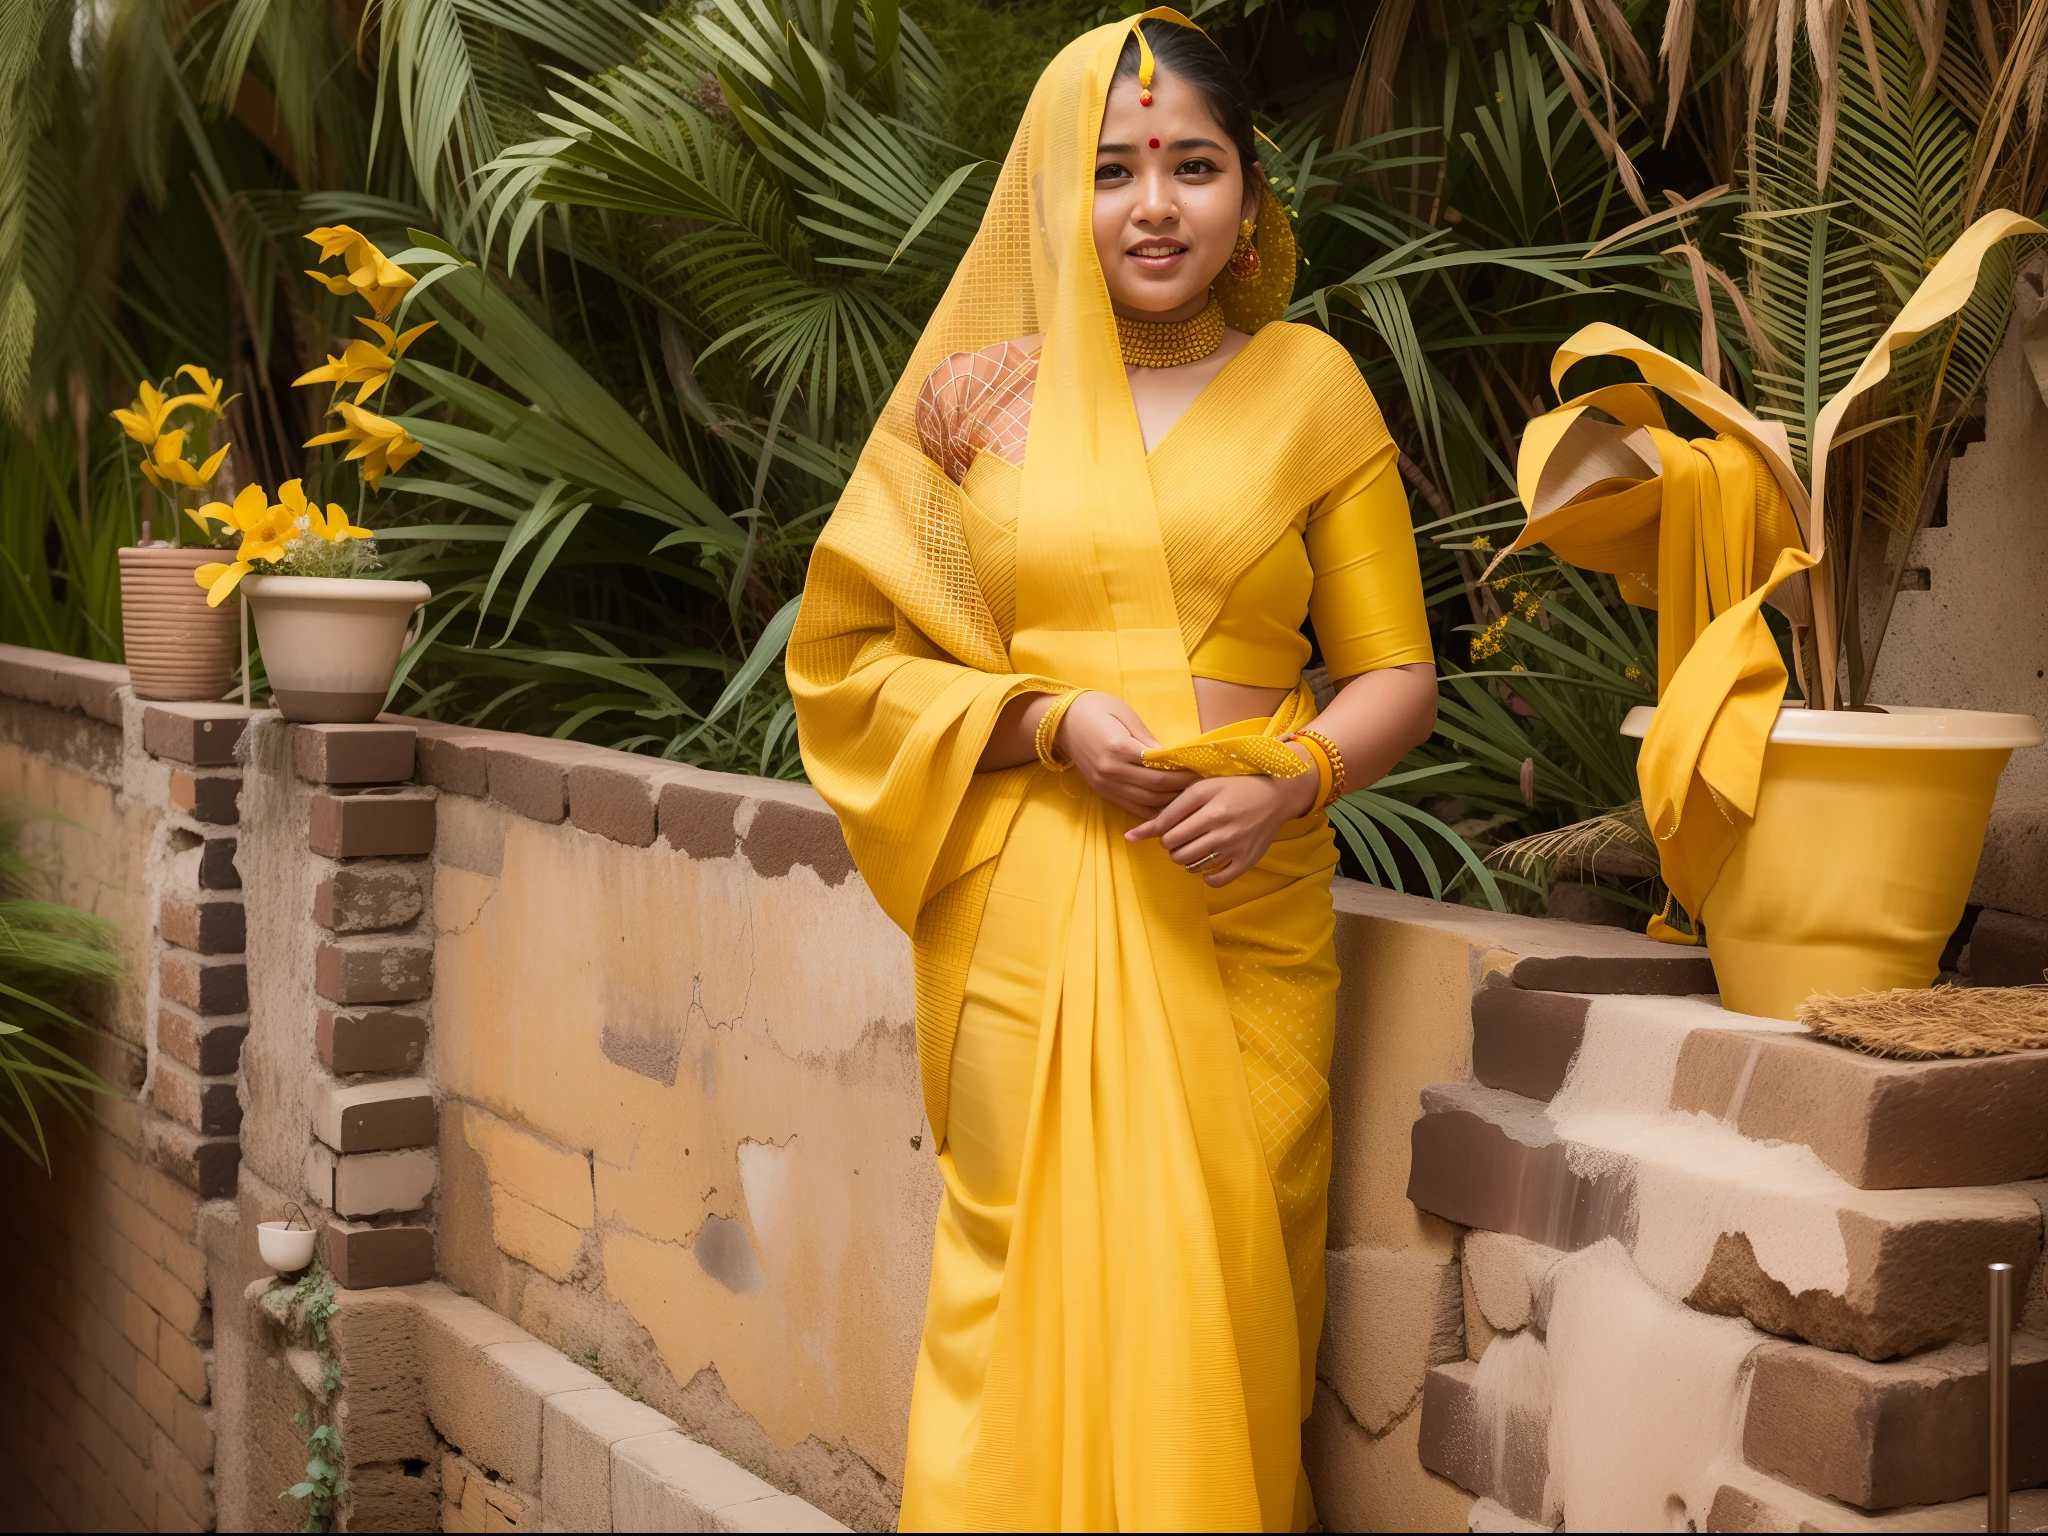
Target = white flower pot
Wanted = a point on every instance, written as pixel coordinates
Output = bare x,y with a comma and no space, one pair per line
331,644
285,1247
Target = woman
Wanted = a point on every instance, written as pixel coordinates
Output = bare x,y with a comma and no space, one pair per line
1091,520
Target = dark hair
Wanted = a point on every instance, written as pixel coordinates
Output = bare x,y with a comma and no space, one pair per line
1187,54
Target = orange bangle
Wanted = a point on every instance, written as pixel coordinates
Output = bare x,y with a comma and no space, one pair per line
1324,777
1336,757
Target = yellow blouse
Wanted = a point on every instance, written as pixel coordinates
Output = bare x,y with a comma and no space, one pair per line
1348,564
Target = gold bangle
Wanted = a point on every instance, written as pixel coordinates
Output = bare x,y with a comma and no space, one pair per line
1324,777
1329,747
1048,728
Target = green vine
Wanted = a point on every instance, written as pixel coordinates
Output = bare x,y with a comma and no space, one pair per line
305,1310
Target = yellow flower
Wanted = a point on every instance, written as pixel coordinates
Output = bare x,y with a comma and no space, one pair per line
1488,641
207,398
265,531
332,525
382,445
371,274
144,419
165,462
1632,674
1481,541
365,364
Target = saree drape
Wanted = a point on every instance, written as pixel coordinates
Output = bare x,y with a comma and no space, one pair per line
1125,1302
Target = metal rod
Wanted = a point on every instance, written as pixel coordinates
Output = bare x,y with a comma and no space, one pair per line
1998,1503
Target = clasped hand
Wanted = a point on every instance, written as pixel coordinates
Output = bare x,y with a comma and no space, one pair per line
1228,822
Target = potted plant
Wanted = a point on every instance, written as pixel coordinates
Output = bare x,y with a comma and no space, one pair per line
178,646
330,637
1824,846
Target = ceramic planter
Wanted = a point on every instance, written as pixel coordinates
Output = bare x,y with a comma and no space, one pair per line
331,644
177,647
1854,873
286,1247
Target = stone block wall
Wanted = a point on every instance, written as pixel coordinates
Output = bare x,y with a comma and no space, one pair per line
598,1077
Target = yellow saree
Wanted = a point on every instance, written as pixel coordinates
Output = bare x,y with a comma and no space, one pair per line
1124,1070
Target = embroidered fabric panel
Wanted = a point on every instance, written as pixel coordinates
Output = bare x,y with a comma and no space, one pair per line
977,402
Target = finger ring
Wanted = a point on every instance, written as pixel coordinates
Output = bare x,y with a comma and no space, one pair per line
1203,863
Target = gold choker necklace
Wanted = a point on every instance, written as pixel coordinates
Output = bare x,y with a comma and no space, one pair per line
1170,343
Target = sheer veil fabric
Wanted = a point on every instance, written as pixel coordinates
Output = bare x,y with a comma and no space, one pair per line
1142,1353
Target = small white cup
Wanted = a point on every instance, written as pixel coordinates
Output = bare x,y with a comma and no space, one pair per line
285,1248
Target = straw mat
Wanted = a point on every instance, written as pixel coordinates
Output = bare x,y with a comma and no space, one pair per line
1923,1023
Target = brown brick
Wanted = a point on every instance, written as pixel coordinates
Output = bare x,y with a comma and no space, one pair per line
63,682
132,1219
171,1516
699,822
1485,1158
375,1116
217,870
2008,950
359,970
371,1040
530,774
365,898
616,799
784,835
138,1322
211,926
1879,1124
185,1363
156,1394
181,1479
178,1307
1904,1432
1523,1040
194,1434
209,1105
186,1264
373,823
454,758
202,735
1504,1457
203,1164
363,1257
126,1418
377,753
207,984
214,798
172,1200
212,1046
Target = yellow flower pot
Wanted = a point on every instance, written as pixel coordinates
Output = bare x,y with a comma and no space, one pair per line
1856,869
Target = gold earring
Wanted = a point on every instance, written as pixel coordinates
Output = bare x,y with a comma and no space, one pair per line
1244,260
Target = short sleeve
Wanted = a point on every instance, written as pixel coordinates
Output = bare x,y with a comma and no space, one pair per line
1367,601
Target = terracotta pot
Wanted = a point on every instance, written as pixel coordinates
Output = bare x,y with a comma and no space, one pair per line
1865,843
331,644
178,648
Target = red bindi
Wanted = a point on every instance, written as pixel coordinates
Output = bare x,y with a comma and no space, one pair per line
1155,143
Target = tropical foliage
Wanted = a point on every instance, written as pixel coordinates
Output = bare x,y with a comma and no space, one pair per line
53,959
673,262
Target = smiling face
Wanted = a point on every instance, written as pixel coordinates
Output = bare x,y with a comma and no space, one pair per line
1169,196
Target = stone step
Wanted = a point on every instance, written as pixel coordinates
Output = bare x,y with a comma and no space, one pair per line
1904,1432
1726,1224
1880,1124
1651,1399
1750,1500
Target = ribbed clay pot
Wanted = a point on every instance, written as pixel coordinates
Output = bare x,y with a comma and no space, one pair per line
178,648
330,644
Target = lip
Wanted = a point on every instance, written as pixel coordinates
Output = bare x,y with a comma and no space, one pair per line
1176,253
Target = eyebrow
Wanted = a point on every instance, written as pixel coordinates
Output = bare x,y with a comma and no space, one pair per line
1127,149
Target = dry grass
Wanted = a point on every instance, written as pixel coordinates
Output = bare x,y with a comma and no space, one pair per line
1923,1023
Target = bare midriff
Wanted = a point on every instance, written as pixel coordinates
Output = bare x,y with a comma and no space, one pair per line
1220,703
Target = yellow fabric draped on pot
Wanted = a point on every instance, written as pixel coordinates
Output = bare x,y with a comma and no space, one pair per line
1704,531
1134,1133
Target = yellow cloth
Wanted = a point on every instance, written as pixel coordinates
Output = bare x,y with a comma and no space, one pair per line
1127,1282
1347,561
1720,524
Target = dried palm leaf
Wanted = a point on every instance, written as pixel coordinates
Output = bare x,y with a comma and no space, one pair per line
1619,831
